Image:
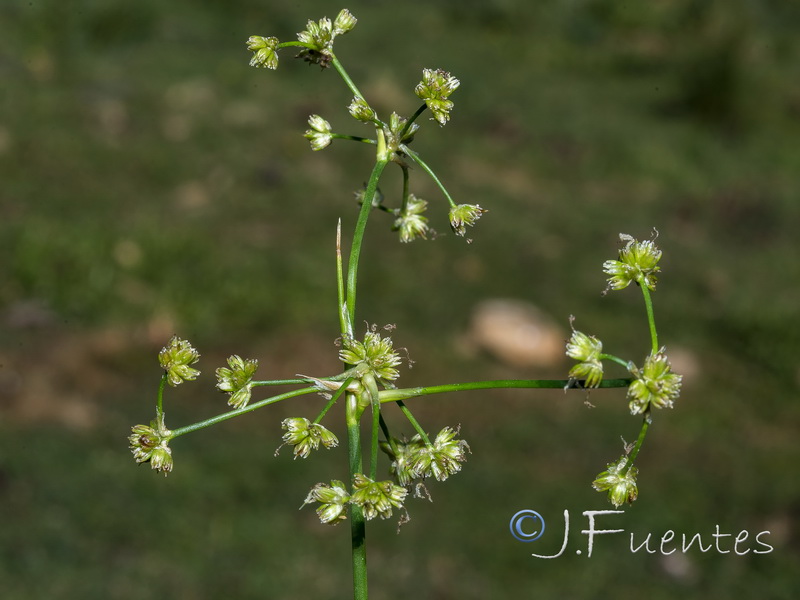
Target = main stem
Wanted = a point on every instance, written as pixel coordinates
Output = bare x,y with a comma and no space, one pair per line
358,235
358,527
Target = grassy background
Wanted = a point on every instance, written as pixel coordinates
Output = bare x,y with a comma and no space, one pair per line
153,183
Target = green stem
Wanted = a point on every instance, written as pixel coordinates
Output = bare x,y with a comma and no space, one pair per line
358,529
615,359
415,157
405,393
355,138
387,433
414,423
349,82
372,389
241,411
404,168
639,441
648,302
160,399
333,399
358,237
280,382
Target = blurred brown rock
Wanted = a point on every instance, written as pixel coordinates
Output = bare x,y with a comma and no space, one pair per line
517,333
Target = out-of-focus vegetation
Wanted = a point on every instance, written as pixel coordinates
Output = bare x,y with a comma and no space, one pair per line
153,183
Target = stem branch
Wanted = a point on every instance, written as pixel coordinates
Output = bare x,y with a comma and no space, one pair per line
241,411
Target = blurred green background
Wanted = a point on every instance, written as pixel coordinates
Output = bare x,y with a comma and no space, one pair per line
153,183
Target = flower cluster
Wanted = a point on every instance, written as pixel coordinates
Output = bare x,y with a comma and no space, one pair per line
318,37
359,109
587,349
435,89
619,482
410,222
414,459
442,458
151,444
374,355
376,498
175,359
655,384
333,501
638,262
265,51
320,133
306,436
464,215
395,134
237,381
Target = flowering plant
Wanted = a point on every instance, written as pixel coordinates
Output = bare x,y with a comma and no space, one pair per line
371,366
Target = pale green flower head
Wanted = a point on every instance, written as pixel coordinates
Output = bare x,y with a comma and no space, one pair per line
435,88
403,455
359,109
586,349
237,381
333,501
344,23
590,371
265,51
320,133
393,133
655,384
151,444
175,359
464,215
374,355
638,262
318,37
376,498
410,222
306,436
620,484
442,458
161,459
